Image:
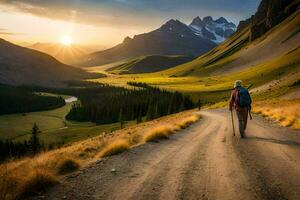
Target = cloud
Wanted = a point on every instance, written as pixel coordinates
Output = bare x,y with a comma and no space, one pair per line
77,12
4,31
131,13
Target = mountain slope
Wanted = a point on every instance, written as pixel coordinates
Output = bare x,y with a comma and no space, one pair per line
146,64
271,63
23,66
240,52
172,38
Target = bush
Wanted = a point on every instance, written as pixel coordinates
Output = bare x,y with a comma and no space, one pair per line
114,148
8,184
67,166
188,121
159,133
37,181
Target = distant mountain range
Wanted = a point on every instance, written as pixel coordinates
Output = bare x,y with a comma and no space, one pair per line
215,30
172,38
269,40
66,54
24,66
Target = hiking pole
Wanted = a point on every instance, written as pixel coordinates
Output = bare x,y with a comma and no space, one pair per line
232,123
250,114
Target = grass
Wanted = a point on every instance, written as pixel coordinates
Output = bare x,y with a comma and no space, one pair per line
164,131
15,125
14,186
19,175
55,129
159,133
188,121
68,165
114,148
284,112
37,181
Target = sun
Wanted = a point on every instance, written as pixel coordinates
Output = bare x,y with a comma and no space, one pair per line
66,40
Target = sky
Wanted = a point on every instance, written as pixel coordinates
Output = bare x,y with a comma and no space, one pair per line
105,23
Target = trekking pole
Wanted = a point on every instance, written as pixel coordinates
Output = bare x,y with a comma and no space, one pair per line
232,123
250,115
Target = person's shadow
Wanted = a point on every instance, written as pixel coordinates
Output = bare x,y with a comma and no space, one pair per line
285,142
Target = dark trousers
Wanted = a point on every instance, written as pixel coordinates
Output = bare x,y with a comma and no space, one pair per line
242,114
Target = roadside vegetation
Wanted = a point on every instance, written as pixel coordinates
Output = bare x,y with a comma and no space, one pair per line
284,112
30,175
114,148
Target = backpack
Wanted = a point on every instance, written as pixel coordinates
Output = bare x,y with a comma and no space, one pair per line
243,97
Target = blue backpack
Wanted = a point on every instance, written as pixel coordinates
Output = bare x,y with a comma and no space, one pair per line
244,99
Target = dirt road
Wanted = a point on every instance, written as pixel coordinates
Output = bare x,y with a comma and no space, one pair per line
201,162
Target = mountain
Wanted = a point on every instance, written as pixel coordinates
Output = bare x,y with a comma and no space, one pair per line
269,14
240,52
66,54
172,38
24,66
147,64
215,30
268,57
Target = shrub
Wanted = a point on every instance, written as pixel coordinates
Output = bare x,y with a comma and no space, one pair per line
116,147
161,132
188,121
8,184
67,166
36,181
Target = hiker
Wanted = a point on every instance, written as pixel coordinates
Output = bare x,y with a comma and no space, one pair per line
199,104
241,101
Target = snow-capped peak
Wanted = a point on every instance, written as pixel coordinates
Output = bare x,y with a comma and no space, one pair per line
214,30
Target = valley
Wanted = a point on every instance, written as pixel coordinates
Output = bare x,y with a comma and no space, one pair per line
148,118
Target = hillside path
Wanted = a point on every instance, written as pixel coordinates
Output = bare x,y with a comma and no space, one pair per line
203,161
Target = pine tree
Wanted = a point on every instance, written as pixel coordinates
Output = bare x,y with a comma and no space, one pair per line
34,139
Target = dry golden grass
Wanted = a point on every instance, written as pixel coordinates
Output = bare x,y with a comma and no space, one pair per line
14,172
37,181
16,186
8,183
116,147
188,121
159,133
68,165
163,132
284,112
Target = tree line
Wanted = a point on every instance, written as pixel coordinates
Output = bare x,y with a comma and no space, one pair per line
107,104
16,149
21,100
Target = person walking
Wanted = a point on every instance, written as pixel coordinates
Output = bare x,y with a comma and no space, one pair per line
241,101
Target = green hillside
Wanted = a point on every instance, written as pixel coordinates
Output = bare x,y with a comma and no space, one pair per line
270,63
146,64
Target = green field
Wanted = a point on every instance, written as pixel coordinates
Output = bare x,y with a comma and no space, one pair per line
216,88
53,126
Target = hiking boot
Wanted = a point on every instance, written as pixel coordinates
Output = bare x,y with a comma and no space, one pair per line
242,134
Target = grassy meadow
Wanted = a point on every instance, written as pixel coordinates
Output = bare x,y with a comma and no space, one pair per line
217,88
53,126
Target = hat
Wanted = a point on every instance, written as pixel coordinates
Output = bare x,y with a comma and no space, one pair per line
238,83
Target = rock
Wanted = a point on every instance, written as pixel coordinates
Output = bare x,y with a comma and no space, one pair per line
113,170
